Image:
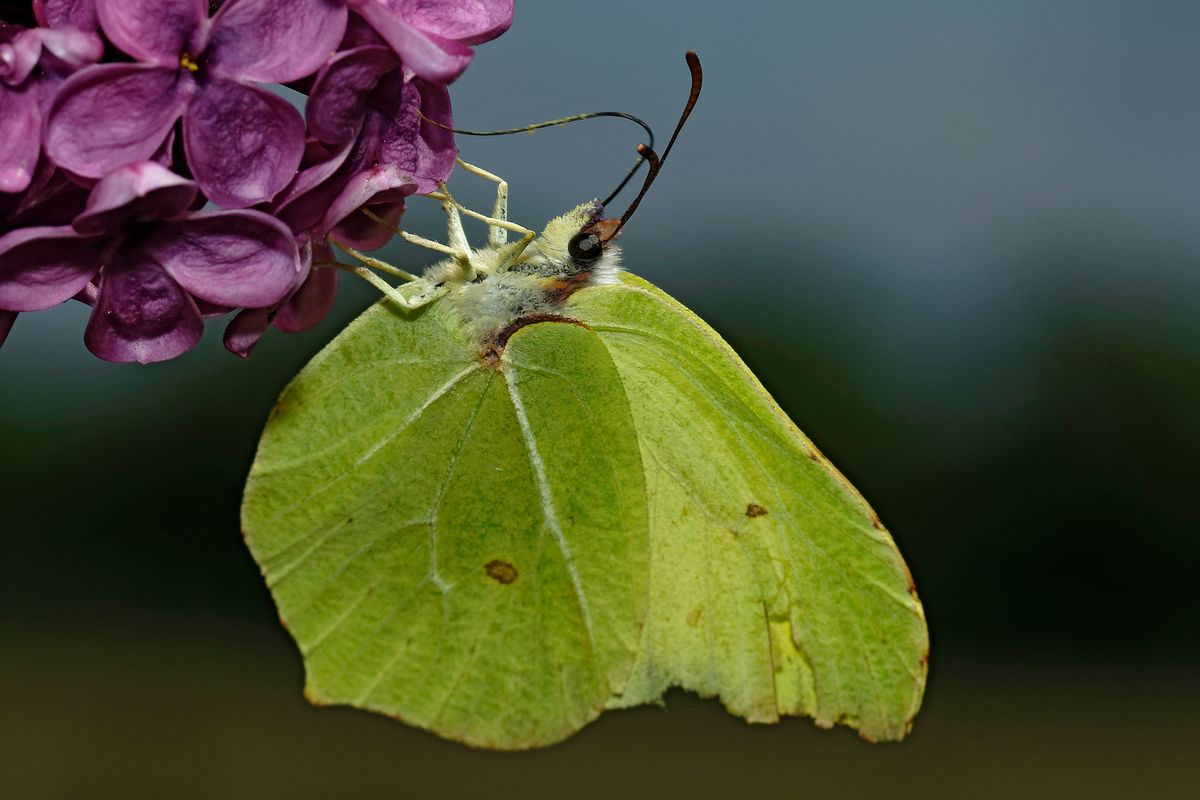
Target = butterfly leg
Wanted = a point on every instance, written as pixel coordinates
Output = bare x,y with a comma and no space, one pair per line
494,223
497,235
412,238
425,295
456,237
389,291
458,248
375,263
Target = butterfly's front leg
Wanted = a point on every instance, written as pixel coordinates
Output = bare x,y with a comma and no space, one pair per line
458,238
453,207
425,293
497,234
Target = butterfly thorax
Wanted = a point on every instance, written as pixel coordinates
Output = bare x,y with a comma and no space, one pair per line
509,285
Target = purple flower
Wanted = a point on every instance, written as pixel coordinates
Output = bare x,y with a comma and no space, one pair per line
57,13
334,186
321,202
103,219
364,91
243,143
432,38
313,300
33,63
365,105
50,199
310,303
157,264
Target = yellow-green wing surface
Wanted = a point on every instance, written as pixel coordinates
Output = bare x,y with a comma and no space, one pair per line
499,552
773,585
445,541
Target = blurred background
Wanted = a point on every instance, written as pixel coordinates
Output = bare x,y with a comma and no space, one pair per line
959,242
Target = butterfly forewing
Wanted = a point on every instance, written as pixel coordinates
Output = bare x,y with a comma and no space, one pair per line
442,537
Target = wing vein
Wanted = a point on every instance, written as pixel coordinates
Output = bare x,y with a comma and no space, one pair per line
453,467
549,513
413,417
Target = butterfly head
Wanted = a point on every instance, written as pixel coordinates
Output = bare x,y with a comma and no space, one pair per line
576,248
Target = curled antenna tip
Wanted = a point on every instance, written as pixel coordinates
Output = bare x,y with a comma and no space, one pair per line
656,161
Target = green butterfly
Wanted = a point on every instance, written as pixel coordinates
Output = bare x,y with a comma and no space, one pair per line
528,487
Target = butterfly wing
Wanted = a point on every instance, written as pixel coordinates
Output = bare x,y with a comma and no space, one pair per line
773,585
444,541
498,554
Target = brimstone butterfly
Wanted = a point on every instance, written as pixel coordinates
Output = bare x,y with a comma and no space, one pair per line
545,489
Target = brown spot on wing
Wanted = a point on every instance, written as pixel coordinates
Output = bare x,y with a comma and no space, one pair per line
500,571
755,510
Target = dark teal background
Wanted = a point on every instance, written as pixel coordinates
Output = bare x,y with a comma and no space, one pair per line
960,242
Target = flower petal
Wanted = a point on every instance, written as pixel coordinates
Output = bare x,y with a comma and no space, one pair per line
384,183
231,258
7,318
141,314
19,54
209,310
359,33
50,199
338,98
42,267
20,133
158,31
274,41
57,13
311,303
431,56
243,143
141,191
110,115
424,150
363,233
465,21
72,48
299,206
245,329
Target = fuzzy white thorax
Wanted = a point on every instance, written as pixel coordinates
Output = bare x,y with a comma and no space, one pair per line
509,282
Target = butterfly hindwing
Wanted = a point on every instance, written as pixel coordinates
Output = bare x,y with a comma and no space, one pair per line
773,584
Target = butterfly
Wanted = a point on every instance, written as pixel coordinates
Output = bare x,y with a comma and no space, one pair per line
530,486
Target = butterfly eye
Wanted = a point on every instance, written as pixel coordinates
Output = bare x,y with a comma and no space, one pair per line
585,247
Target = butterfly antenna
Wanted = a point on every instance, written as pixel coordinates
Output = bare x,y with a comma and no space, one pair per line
564,121
647,152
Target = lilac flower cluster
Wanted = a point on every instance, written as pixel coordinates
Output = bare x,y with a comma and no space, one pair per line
122,122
